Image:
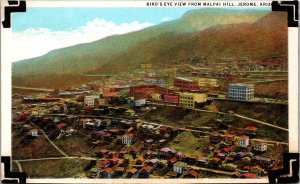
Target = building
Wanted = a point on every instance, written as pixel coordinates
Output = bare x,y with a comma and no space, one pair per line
109,95
102,102
146,91
33,132
260,146
188,100
156,97
138,103
90,100
258,171
229,167
127,139
179,167
171,98
185,84
228,138
207,82
240,91
243,141
146,65
154,81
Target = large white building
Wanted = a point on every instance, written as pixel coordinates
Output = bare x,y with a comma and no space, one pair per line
240,91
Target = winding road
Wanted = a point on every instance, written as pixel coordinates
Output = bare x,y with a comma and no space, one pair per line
19,165
261,122
34,89
56,158
237,115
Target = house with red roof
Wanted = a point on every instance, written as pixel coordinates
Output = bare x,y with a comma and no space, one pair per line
191,173
249,175
145,171
107,172
61,126
215,161
228,138
250,130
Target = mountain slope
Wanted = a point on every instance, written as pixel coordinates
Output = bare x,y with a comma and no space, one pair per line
262,34
85,57
253,40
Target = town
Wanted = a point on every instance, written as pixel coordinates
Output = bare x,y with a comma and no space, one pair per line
188,119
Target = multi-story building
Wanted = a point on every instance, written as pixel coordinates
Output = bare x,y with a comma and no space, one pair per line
146,91
159,82
243,141
185,84
188,100
171,98
260,146
207,82
91,100
240,91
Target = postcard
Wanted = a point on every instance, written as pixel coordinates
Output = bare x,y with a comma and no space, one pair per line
149,91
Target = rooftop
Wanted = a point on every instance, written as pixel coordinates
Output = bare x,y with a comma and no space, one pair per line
180,164
185,79
241,85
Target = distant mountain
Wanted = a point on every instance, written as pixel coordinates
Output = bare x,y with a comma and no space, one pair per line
213,32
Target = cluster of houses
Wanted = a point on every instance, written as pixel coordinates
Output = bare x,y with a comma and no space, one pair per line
142,149
169,163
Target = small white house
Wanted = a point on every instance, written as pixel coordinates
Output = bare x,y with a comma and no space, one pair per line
83,122
179,167
139,103
33,132
127,139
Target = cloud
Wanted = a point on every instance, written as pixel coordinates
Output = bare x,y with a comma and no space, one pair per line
164,19
35,42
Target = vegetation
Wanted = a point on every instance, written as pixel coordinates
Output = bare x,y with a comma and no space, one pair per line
179,117
272,113
188,144
54,168
25,148
70,145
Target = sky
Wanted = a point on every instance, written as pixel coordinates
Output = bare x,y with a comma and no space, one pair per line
41,30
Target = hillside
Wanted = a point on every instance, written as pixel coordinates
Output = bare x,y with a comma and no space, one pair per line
198,32
254,40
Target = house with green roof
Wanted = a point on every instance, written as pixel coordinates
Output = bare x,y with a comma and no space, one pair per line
179,167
